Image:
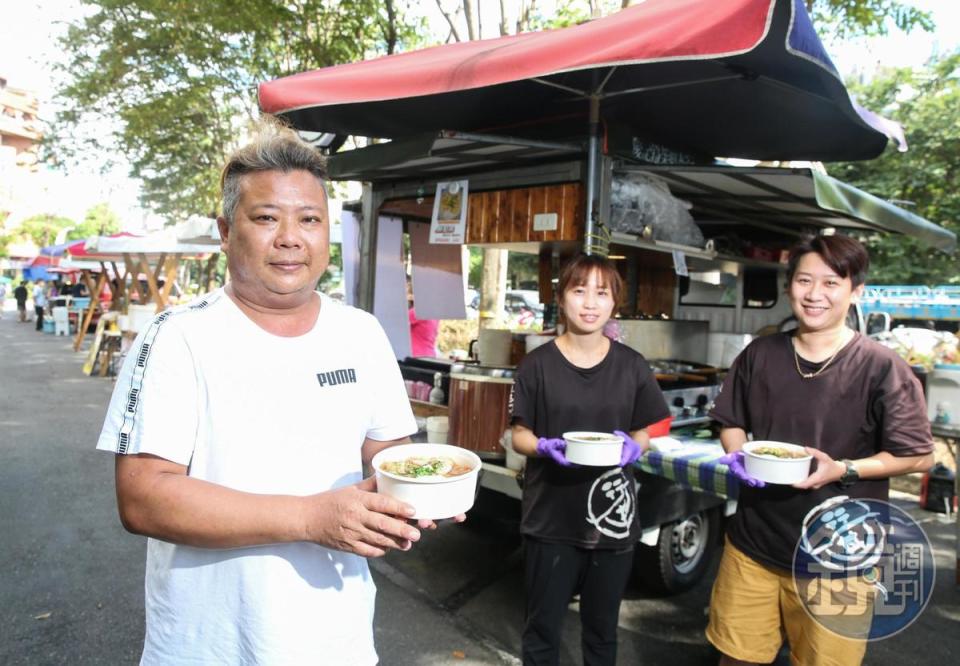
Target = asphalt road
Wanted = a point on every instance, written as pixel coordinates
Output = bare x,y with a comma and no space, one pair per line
71,579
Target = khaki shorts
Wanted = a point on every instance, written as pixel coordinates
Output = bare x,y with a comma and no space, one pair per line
752,606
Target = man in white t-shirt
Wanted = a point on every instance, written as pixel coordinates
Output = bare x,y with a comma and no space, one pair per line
241,423
39,302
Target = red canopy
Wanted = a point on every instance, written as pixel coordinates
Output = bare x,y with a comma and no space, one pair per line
653,31
744,78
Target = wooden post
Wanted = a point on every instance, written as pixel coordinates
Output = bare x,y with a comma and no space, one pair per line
170,276
94,301
152,281
120,298
211,272
81,329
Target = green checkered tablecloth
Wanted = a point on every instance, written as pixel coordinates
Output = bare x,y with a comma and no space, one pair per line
694,466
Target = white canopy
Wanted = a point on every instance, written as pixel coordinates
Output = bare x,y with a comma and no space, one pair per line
198,230
160,242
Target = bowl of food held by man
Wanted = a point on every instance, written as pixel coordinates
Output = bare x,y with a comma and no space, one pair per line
438,480
776,462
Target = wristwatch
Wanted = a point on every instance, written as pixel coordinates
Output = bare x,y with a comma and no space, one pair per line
850,474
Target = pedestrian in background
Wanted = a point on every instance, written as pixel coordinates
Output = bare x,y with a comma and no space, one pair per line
20,293
39,302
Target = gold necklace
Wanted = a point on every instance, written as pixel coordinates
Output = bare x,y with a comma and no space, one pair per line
811,375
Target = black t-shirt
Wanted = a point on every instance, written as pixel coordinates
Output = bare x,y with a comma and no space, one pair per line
866,401
589,507
20,293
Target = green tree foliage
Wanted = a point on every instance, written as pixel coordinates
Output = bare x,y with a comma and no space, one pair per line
43,229
99,220
5,237
926,179
171,86
842,19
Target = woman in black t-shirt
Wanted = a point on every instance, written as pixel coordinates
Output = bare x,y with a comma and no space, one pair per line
580,523
860,412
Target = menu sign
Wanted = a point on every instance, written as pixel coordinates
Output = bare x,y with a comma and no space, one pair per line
449,223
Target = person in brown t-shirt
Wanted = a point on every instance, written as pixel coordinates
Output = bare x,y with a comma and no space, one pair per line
860,412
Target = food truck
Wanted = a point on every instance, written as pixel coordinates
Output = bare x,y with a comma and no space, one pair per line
605,138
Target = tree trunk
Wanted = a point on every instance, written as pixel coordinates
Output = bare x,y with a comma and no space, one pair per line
492,286
390,33
526,10
471,19
504,30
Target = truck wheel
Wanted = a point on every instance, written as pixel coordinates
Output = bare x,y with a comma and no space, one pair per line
682,555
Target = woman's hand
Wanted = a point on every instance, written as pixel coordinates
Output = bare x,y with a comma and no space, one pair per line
632,450
555,449
735,462
828,471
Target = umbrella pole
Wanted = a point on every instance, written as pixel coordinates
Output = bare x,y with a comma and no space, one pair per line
593,155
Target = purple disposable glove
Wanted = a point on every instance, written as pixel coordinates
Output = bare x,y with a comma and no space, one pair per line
735,462
555,449
631,450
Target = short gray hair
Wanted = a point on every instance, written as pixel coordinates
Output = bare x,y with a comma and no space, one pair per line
275,147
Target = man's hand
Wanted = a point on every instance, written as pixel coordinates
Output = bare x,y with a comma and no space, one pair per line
426,524
828,471
355,519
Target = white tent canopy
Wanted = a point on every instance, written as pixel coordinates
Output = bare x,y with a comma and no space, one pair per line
158,243
198,230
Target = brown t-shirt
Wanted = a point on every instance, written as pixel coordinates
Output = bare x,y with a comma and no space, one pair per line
866,401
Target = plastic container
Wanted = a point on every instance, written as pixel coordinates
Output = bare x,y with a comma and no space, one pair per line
80,303
140,316
771,469
432,497
61,320
437,429
943,394
596,449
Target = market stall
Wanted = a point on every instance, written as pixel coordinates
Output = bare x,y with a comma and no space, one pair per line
609,136
156,257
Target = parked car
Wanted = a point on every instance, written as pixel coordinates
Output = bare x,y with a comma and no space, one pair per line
522,306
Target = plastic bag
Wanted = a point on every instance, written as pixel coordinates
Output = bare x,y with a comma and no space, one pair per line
641,204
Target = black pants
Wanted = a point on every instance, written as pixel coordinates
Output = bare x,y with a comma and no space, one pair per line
39,310
553,574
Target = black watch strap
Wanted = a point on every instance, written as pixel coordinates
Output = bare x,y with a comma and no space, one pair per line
850,475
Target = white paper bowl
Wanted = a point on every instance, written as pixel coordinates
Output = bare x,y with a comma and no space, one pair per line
591,452
771,469
432,497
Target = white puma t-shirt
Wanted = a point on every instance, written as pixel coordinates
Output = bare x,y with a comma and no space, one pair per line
205,387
